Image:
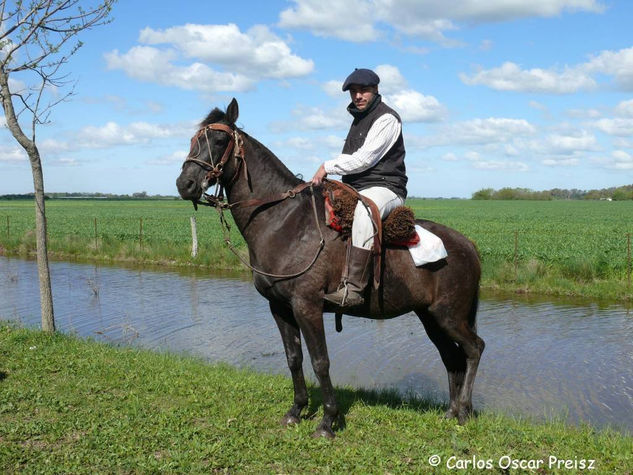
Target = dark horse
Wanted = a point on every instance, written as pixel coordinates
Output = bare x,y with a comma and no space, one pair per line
283,238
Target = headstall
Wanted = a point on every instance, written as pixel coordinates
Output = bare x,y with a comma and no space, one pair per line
215,170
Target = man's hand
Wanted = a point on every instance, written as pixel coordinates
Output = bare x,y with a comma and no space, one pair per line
318,177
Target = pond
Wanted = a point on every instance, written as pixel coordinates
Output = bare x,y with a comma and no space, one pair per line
544,358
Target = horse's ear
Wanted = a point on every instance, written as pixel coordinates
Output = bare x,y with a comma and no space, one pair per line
232,112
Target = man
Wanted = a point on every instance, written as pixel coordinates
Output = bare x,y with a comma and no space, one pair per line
372,161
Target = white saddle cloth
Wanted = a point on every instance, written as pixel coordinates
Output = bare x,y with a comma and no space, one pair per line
430,248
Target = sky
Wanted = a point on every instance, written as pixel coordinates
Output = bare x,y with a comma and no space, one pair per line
492,93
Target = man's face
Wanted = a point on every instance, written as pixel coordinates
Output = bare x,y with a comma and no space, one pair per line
362,95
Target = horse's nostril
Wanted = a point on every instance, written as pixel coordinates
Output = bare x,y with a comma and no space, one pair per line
186,186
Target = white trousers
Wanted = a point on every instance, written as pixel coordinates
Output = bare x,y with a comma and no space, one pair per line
362,228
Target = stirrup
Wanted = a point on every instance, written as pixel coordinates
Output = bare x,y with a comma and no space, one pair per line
333,297
344,300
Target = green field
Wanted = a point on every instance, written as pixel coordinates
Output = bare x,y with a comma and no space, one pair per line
74,406
553,247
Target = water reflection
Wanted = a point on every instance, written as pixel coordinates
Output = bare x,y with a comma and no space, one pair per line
543,358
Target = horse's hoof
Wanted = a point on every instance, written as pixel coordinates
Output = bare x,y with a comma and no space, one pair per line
289,420
463,416
325,433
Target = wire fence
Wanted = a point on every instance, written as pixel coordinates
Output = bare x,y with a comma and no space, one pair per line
608,252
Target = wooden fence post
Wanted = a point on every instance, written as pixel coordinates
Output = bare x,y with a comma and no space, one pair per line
628,261
516,255
194,237
96,241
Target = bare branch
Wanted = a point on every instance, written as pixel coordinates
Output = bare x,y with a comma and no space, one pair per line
45,35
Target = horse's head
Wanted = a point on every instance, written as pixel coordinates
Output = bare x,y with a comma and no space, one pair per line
210,156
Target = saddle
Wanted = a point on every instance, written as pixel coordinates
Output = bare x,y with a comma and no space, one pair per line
397,229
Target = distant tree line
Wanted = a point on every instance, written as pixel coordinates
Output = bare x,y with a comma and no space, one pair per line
141,195
619,193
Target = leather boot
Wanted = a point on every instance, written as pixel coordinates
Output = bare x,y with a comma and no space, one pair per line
350,292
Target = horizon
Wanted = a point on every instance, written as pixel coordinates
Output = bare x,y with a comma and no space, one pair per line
500,94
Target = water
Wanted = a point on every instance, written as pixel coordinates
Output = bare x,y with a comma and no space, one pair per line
543,358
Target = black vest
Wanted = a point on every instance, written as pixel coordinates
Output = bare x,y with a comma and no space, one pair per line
390,171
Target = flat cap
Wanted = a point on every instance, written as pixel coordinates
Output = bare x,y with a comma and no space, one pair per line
361,77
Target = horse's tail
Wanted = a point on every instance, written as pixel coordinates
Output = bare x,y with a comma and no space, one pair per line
472,314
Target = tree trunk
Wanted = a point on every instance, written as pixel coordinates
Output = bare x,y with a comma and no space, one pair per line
43,271
46,295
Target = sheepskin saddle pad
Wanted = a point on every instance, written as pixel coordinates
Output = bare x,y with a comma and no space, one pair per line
398,228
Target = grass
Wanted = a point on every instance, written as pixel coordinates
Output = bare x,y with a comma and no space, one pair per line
76,406
578,248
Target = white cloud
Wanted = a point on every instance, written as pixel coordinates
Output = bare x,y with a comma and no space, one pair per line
624,109
618,64
412,105
620,160
54,146
416,107
493,135
510,150
356,20
325,145
584,113
300,143
333,88
134,133
485,131
391,79
148,64
64,162
10,154
621,127
252,56
570,143
486,45
558,162
472,155
312,118
501,165
350,20
510,77
257,52
173,158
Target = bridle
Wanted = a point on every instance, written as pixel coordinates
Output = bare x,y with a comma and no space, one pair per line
216,200
216,170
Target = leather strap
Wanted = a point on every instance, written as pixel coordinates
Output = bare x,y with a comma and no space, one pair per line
376,221
273,199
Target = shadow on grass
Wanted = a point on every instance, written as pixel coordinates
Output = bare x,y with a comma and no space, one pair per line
347,397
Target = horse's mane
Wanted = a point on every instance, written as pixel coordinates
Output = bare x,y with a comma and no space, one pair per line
216,115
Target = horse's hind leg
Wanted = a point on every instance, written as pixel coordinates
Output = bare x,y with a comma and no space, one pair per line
291,338
460,349
453,358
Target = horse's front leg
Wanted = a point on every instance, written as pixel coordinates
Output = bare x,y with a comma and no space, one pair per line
291,338
309,316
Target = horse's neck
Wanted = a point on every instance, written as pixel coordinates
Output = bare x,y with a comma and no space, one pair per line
268,177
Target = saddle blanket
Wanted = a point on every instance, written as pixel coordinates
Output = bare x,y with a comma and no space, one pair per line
429,247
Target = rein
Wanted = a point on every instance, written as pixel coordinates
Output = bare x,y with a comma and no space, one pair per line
216,170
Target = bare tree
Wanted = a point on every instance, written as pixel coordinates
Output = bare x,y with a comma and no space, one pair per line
37,38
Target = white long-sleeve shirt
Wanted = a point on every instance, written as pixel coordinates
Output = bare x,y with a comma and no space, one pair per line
381,136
